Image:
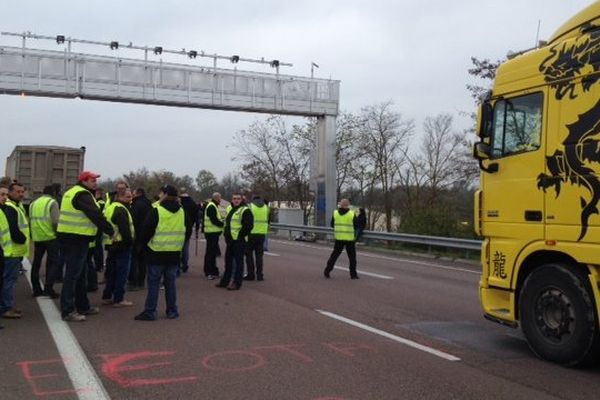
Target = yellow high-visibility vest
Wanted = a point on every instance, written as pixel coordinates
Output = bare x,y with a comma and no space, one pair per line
343,225
170,231
72,220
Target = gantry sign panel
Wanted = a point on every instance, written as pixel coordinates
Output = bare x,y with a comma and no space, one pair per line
66,74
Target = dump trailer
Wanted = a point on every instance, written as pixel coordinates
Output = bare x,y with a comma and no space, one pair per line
538,204
40,166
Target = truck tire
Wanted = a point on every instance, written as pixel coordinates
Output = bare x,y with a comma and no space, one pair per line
558,317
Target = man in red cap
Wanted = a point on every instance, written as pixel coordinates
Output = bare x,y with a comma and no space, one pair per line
79,221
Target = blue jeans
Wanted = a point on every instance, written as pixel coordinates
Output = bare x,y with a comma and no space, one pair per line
155,273
74,290
10,276
118,263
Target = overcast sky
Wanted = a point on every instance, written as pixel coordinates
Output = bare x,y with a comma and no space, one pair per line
415,53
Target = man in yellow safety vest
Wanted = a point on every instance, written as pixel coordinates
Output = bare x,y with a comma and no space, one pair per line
344,224
256,240
79,221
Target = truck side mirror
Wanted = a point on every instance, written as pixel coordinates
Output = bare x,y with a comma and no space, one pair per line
485,120
482,151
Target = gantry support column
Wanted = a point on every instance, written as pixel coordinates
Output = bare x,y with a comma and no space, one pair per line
325,170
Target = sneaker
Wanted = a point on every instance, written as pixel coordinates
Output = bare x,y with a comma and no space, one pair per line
173,315
211,277
354,277
162,287
123,303
11,314
91,311
74,317
144,317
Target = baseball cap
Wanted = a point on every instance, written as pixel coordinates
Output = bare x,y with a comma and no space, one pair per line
85,175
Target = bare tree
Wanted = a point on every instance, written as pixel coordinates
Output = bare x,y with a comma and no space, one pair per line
385,138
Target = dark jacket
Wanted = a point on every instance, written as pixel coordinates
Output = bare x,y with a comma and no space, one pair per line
121,219
149,228
362,221
191,210
343,211
87,204
247,224
211,213
13,224
140,208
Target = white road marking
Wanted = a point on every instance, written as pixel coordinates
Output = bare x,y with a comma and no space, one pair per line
398,339
376,256
271,254
361,272
83,376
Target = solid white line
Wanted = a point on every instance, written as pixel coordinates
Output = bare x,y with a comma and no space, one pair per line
83,376
361,272
405,260
398,339
271,254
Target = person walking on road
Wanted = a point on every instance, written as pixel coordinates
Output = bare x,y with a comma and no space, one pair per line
13,242
44,212
212,226
256,239
238,225
79,221
164,233
344,224
118,260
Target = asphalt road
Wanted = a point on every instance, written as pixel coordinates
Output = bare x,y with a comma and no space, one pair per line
410,328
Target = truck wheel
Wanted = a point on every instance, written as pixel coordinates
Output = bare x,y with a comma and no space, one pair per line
557,316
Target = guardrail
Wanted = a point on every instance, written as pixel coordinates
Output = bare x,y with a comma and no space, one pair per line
437,241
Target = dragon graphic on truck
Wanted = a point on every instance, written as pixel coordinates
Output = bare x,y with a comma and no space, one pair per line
582,145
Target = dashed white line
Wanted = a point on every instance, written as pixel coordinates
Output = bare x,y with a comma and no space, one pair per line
85,381
271,254
361,272
407,342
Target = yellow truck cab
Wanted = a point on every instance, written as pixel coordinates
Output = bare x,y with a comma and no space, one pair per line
538,204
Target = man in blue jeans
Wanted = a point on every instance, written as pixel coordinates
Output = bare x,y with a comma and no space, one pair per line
78,223
17,247
119,248
164,234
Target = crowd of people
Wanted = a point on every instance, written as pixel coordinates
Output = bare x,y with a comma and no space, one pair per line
135,243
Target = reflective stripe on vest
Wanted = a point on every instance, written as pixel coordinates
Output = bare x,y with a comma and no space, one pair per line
236,221
5,241
261,219
72,220
108,213
170,231
209,227
343,225
41,219
20,250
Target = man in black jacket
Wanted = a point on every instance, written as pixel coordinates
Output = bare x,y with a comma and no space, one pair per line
140,209
118,260
238,225
191,213
163,264
78,209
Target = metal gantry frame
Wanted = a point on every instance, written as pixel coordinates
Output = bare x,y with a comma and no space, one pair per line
68,74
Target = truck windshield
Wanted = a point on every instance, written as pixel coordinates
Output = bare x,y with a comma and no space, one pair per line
517,125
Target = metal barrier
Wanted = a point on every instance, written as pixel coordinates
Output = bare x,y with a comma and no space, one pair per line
437,241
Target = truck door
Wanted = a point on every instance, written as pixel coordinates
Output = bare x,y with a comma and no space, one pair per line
513,207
